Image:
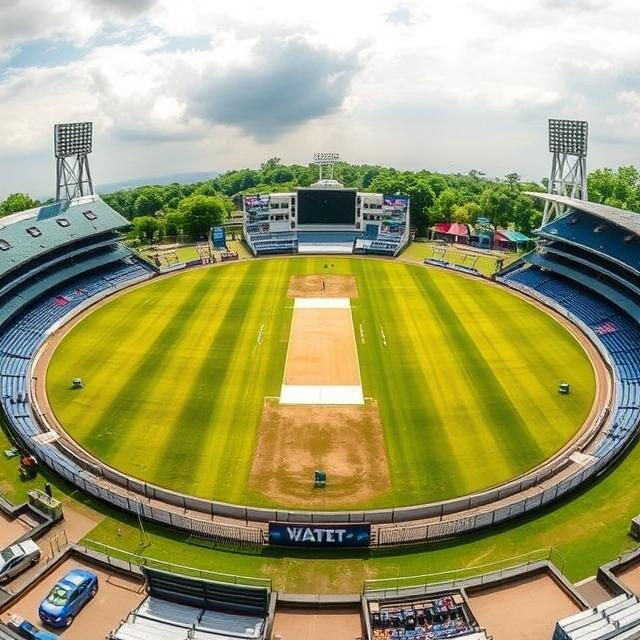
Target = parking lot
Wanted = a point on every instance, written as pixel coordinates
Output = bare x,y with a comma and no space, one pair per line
117,595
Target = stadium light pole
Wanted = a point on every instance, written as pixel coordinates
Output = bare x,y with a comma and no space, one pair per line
72,143
326,162
568,144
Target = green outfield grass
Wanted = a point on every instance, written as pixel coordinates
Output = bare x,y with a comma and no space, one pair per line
175,377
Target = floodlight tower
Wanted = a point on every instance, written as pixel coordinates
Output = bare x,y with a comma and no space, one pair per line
326,162
568,144
72,144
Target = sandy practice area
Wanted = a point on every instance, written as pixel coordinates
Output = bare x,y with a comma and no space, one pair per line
630,575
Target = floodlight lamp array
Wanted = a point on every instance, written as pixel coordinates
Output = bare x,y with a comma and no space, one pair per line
568,136
73,139
326,158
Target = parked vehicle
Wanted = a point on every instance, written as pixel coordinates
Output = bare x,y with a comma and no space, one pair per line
17,558
67,598
29,631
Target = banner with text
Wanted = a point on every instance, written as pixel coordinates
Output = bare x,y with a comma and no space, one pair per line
319,535
257,205
218,237
397,205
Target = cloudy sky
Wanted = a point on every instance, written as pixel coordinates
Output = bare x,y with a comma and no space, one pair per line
177,86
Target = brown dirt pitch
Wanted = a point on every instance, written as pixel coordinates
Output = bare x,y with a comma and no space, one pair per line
344,441
301,286
322,348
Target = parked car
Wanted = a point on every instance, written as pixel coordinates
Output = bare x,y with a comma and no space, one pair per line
29,631
18,557
67,598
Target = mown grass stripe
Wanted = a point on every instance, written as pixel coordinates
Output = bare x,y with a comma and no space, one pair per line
238,439
446,381
94,357
529,371
127,401
172,391
400,374
515,434
188,434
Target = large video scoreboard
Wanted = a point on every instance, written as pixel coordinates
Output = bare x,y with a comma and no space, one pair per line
326,206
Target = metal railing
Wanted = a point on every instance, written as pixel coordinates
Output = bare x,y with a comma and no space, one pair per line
479,574
114,556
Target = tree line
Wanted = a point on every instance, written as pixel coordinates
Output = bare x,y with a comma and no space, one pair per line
192,209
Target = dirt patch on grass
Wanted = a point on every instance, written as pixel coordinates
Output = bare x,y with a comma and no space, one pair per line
345,441
301,286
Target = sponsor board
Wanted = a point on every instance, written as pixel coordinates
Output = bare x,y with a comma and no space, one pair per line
289,534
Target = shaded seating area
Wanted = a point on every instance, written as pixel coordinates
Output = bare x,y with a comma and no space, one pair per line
265,243
445,616
616,618
587,264
597,235
184,608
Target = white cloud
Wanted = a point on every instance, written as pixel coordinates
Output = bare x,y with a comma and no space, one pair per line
189,85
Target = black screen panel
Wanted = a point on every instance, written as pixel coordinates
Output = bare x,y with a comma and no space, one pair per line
326,206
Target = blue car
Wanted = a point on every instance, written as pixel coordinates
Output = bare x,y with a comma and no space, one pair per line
67,598
29,631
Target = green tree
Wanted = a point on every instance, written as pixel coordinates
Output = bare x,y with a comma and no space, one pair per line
445,204
145,228
199,213
17,202
619,188
148,201
173,222
271,163
497,204
524,215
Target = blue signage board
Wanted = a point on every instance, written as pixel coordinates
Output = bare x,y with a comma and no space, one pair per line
218,237
288,534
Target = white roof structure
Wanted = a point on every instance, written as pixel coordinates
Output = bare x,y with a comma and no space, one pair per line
620,217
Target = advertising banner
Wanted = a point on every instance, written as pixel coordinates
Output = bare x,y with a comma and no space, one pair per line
218,237
257,205
287,534
397,205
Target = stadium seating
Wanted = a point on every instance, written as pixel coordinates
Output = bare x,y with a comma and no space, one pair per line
29,327
26,235
617,618
432,619
265,243
184,608
55,258
597,235
603,313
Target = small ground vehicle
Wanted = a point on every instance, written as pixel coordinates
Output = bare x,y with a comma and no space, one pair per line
17,558
29,631
67,598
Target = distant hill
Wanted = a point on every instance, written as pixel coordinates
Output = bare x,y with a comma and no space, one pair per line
181,178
